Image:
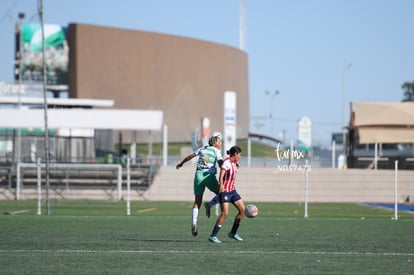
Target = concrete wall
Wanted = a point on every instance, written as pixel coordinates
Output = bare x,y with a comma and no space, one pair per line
258,185
269,185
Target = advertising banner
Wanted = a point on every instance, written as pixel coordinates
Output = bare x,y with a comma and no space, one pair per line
229,138
305,134
29,46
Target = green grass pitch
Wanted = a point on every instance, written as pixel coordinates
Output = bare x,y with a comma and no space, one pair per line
88,237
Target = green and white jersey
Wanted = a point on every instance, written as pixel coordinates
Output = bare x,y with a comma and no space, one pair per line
207,159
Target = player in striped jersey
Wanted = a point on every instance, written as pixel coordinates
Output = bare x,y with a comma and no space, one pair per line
228,194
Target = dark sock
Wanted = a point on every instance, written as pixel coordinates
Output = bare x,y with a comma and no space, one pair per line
215,230
236,225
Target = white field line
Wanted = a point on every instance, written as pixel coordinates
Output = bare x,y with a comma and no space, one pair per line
208,252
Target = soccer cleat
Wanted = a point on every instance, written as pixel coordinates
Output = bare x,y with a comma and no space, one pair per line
235,236
208,209
214,239
194,230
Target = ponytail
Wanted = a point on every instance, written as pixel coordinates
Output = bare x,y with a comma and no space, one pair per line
234,150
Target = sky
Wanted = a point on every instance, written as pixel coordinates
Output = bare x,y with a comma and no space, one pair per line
313,57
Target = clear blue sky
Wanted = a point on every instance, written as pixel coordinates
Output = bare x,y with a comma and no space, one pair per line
298,47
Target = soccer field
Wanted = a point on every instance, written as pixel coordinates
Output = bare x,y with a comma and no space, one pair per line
98,238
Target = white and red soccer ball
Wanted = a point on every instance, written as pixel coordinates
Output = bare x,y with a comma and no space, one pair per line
251,211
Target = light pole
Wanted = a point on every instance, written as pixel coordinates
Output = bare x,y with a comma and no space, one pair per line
242,26
272,95
20,60
348,67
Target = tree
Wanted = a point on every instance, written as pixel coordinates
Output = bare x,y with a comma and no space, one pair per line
408,88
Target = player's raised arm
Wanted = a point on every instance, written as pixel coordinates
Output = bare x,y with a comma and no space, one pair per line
187,158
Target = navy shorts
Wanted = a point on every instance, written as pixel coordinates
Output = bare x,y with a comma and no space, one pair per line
231,196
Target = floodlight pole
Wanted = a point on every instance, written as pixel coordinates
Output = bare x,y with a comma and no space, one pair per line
242,26
19,131
343,109
40,7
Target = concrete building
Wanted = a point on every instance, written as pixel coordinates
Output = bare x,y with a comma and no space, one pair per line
183,77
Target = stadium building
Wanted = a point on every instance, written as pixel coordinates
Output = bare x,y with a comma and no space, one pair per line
184,77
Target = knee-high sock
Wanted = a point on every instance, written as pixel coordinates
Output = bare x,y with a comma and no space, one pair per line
216,229
195,215
236,225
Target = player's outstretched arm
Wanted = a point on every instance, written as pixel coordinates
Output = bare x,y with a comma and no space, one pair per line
187,158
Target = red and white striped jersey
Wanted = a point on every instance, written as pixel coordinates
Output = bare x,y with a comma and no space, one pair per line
230,168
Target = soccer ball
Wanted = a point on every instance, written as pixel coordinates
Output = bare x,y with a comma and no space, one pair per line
251,211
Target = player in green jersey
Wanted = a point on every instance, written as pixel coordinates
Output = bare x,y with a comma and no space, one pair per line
205,175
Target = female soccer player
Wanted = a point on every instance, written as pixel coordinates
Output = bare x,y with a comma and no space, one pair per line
228,194
205,176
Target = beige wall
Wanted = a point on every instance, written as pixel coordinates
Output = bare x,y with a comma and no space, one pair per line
258,185
185,78
269,185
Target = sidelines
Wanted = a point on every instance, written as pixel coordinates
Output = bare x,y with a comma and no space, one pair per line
208,252
390,206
